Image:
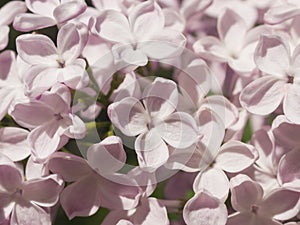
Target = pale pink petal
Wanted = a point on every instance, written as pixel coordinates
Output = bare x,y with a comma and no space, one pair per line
244,193
44,140
285,132
77,129
244,64
152,151
63,92
56,103
130,55
68,166
10,10
40,78
71,39
73,75
146,19
27,22
13,143
129,116
34,169
4,30
281,204
190,8
166,44
31,114
42,7
222,107
6,205
26,213
291,103
108,156
247,218
43,191
151,211
214,181
187,159
264,145
7,96
289,170
113,26
68,10
278,14
114,216
236,156
119,193
211,48
179,130
104,5
266,55
173,19
161,98
128,88
195,81
7,61
212,130
10,176
81,198
258,96
232,30
204,209
36,49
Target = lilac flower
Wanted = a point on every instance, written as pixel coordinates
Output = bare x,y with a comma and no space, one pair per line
154,122
50,64
7,14
23,201
139,36
51,121
281,79
48,13
255,208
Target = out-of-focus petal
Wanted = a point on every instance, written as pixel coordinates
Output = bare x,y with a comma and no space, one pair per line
146,19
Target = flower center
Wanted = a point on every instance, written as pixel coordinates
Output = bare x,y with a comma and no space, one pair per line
61,63
58,116
254,209
290,79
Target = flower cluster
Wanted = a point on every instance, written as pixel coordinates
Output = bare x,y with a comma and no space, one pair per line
150,112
